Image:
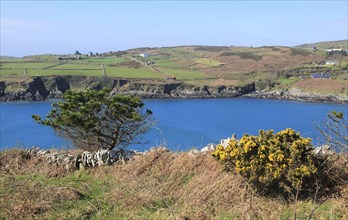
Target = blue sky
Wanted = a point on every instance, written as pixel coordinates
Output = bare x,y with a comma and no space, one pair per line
60,27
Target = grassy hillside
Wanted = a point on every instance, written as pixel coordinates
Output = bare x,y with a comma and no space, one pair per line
326,45
278,66
158,185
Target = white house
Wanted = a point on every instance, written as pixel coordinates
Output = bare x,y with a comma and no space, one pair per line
334,50
144,55
330,62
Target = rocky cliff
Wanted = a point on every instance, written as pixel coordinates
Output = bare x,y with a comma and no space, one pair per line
32,89
41,88
298,95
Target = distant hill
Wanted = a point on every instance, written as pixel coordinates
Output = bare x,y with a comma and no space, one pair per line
326,45
8,57
269,67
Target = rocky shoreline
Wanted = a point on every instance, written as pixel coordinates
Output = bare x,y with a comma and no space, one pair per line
298,95
52,87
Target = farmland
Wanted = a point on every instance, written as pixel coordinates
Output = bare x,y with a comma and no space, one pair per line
281,67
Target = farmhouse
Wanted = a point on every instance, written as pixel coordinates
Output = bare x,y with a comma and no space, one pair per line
321,76
335,50
330,62
144,55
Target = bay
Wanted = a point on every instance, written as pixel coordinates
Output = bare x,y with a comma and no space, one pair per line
180,124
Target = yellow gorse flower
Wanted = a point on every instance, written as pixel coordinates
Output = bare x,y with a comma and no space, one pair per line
269,157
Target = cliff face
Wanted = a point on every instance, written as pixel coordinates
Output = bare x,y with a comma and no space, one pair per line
41,88
181,90
32,89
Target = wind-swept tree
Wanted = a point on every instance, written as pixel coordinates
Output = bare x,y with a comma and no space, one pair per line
335,131
93,120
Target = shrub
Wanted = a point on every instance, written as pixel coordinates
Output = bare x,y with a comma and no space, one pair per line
211,48
243,55
299,52
281,159
93,120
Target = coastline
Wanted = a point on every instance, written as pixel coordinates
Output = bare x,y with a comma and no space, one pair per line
53,87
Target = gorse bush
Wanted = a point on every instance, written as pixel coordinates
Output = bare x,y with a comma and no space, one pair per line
282,159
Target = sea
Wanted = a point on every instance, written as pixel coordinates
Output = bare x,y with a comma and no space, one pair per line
180,124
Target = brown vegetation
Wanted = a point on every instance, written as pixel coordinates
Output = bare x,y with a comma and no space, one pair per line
322,85
158,185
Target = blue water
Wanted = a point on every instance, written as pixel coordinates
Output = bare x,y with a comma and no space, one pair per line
180,124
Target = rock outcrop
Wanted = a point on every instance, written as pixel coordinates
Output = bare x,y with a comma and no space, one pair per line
41,88
33,89
298,95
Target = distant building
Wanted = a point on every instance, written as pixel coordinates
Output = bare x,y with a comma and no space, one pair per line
335,50
69,58
321,76
150,62
330,62
144,55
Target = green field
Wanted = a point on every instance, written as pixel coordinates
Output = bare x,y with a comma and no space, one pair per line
196,63
185,74
41,58
92,67
169,64
51,72
140,73
77,66
85,67
287,80
208,62
28,65
97,60
11,72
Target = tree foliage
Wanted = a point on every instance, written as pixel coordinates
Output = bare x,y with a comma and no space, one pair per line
77,52
335,131
93,120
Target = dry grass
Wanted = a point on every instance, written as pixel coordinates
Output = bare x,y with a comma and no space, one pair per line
17,162
158,185
322,85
